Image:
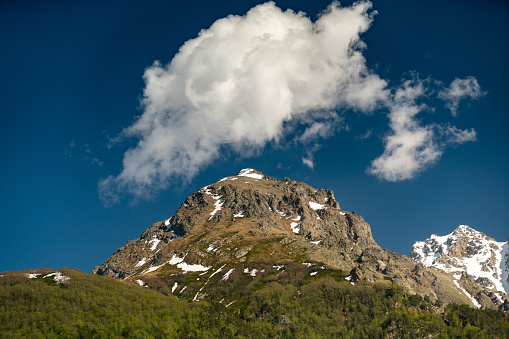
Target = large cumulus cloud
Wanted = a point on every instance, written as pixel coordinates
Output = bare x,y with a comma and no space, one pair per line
245,81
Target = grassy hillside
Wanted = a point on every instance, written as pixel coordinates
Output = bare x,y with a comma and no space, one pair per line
281,306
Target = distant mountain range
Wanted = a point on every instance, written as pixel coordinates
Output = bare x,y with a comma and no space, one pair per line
228,237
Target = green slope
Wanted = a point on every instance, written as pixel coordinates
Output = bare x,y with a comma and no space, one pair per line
277,306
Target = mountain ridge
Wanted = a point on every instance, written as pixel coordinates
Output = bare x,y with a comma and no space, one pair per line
254,225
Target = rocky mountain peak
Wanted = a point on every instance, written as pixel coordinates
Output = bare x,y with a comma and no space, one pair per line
259,206
463,242
473,259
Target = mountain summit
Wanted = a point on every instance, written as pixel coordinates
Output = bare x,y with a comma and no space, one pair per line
244,230
235,211
473,259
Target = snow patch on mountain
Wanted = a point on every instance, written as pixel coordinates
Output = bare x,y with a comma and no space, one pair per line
251,272
316,206
141,262
295,227
179,261
218,204
225,277
141,283
58,277
475,302
192,267
155,242
249,172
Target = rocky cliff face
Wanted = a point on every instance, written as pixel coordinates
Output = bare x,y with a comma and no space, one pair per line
252,225
479,264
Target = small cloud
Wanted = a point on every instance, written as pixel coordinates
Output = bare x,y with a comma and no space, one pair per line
453,135
366,135
309,158
83,152
316,130
459,89
410,147
69,149
107,193
308,162
320,128
96,162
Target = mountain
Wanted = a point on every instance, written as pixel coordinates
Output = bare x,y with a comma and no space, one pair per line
244,231
479,264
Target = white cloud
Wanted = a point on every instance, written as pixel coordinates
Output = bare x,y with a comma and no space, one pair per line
269,75
410,147
453,135
322,129
366,135
308,162
459,89
82,151
238,83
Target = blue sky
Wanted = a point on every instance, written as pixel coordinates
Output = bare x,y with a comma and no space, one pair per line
75,77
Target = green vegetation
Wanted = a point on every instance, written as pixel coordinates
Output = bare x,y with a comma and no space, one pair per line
286,305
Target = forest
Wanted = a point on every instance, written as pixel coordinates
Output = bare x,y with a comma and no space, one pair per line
326,306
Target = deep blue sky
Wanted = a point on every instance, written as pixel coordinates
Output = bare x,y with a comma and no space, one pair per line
71,77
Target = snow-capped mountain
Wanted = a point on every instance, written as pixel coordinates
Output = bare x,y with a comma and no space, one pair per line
471,258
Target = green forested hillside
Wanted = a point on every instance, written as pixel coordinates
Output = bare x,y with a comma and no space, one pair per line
325,306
